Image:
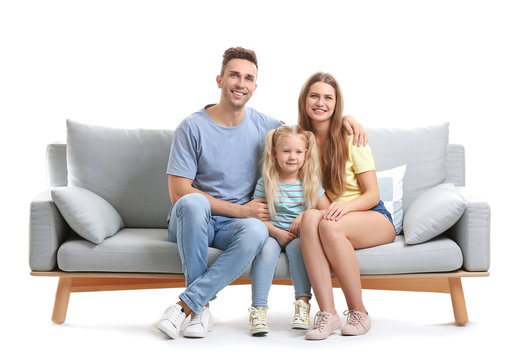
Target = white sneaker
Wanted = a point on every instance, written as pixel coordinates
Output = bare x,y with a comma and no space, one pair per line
301,319
257,321
171,321
199,324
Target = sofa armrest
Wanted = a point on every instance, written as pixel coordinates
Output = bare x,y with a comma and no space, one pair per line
472,232
47,231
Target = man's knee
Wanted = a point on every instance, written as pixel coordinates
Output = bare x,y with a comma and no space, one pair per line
193,204
253,234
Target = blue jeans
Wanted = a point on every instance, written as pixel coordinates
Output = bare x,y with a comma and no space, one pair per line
264,267
194,229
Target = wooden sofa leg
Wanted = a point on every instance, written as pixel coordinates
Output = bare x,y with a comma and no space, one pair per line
459,303
62,297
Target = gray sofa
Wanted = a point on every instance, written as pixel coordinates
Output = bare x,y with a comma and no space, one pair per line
102,223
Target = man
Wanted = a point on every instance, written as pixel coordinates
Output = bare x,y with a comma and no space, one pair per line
212,171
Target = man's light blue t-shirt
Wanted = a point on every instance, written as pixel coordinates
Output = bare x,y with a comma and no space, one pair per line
223,161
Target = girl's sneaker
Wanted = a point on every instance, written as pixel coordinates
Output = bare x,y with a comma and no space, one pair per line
301,319
357,323
257,321
324,325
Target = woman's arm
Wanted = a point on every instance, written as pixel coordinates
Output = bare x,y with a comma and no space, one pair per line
367,200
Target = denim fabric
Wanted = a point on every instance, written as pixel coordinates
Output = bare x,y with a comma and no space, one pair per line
264,267
383,211
194,229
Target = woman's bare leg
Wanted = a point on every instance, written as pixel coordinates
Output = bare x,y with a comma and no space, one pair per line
315,260
340,239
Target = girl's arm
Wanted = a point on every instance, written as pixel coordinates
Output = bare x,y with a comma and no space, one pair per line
367,200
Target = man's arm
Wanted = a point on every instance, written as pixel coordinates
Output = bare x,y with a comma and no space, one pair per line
355,128
180,186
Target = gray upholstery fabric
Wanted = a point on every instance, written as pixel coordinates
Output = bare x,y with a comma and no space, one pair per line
88,214
432,213
47,230
148,250
56,165
58,172
424,150
472,232
456,165
127,167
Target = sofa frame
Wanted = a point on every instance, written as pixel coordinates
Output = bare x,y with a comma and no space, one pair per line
447,283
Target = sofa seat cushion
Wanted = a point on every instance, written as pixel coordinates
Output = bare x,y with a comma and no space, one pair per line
149,251
438,255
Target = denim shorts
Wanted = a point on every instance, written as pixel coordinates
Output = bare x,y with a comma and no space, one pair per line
382,210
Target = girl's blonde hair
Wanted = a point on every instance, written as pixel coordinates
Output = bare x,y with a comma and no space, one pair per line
334,149
310,172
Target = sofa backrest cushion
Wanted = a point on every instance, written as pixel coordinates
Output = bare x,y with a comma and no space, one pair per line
126,167
423,150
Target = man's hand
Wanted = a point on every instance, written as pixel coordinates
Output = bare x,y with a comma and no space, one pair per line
355,128
256,208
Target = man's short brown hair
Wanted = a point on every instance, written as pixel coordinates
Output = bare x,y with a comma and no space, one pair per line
238,53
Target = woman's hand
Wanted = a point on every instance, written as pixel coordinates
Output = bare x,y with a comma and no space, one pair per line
336,211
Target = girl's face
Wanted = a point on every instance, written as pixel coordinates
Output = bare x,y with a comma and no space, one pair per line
290,153
320,101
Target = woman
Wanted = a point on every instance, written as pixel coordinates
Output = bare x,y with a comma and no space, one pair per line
356,218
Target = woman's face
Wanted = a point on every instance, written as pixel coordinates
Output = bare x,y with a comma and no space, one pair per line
320,101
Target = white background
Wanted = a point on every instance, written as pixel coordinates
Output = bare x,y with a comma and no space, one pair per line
150,63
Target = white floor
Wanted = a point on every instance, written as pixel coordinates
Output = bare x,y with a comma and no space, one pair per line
108,324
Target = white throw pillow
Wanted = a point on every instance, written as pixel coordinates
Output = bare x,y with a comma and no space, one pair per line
432,213
88,214
390,183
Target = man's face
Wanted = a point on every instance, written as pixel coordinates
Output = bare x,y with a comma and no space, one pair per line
238,82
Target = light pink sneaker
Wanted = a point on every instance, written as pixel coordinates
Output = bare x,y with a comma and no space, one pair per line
357,323
324,325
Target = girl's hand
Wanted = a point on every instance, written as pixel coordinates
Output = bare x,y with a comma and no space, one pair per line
336,211
284,237
296,225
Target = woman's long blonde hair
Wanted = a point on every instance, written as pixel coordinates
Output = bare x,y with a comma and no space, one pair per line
310,172
334,149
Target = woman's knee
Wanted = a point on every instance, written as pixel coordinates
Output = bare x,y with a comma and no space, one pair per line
330,232
310,220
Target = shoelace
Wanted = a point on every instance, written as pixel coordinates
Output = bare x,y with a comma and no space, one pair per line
171,313
302,311
320,320
257,315
197,318
353,318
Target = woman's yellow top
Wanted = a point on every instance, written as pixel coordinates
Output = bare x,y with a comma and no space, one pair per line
360,160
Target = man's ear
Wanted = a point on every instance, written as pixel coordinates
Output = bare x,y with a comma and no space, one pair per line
219,81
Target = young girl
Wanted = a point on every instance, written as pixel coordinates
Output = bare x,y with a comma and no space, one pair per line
291,184
356,219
